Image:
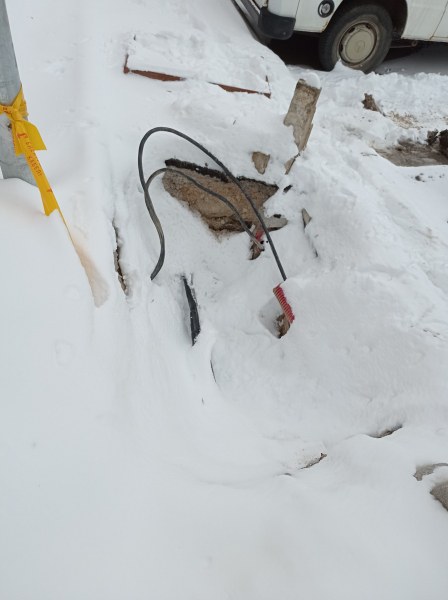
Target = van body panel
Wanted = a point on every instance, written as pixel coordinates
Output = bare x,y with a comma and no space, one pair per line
441,33
424,17
308,18
283,8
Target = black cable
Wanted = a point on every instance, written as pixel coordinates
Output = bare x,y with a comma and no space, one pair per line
158,225
150,205
195,325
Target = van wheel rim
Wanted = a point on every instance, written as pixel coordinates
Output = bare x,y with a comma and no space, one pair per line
358,43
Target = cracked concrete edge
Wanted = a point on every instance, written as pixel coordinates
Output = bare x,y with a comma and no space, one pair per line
440,493
425,470
300,116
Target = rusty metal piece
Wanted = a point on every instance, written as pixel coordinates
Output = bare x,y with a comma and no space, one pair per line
165,77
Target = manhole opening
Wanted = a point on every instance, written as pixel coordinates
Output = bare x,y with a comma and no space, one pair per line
216,214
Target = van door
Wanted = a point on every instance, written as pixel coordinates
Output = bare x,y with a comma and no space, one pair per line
424,17
441,33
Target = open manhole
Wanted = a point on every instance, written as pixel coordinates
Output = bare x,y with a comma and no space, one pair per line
217,215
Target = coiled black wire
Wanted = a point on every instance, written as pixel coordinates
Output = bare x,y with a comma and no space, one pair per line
152,213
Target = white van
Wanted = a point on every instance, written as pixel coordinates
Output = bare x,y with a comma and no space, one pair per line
359,33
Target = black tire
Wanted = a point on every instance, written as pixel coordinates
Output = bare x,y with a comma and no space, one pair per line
360,36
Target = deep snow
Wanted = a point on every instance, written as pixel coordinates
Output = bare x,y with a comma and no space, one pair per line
127,470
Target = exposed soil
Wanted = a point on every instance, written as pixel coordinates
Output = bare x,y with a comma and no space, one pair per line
410,154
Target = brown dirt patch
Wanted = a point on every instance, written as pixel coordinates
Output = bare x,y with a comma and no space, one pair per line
410,154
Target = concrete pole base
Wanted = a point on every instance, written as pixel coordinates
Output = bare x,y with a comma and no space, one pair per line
10,164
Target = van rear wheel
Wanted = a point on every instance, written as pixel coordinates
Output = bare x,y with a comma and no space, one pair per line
359,36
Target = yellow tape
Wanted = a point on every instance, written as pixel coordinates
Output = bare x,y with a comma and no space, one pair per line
27,140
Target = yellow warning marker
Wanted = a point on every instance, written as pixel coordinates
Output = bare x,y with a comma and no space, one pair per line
27,141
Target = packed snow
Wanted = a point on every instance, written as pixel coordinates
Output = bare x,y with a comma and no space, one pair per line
135,466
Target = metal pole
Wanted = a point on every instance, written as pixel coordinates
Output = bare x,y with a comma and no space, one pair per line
10,164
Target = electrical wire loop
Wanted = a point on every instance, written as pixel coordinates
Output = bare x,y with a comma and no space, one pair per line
152,213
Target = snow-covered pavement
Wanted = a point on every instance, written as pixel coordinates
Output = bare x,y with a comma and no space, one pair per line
132,470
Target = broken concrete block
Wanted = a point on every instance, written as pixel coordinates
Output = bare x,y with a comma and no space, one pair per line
305,218
369,103
261,161
300,116
427,470
440,493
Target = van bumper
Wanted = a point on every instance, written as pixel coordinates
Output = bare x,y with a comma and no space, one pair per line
267,23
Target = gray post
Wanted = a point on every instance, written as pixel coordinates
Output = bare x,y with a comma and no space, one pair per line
10,164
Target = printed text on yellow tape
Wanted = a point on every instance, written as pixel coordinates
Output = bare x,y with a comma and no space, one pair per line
27,140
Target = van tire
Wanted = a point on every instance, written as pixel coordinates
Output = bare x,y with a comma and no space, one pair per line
359,36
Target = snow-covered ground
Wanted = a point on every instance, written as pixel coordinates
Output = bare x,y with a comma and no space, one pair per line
131,470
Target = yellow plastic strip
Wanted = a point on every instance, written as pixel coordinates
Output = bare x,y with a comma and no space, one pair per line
27,140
